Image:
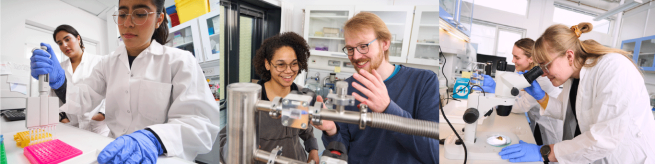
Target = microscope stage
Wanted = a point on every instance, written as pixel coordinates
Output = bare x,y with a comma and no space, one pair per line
481,150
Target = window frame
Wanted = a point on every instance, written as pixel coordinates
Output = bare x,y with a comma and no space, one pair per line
498,28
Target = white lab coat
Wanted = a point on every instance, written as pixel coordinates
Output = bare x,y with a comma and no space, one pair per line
550,128
165,90
613,112
82,72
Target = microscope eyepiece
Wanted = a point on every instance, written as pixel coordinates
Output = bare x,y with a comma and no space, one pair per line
533,74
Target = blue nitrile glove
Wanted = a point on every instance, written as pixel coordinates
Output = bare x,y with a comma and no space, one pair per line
139,147
522,152
534,90
489,85
43,62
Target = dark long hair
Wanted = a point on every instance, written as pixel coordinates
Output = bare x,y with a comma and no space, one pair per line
68,29
161,33
272,44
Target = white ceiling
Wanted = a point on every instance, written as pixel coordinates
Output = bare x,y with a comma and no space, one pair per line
99,7
601,4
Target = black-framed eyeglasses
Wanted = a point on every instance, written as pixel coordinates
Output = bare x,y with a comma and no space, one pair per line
281,67
362,48
139,16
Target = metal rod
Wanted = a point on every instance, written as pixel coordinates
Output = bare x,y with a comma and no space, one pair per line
262,156
241,145
265,106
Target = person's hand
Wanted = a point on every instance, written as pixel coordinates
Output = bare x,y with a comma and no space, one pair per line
139,147
522,152
313,155
43,62
534,90
374,88
328,126
488,85
98,117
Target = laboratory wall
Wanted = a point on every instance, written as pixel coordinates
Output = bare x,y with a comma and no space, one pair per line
44,14
321,62
637,23
538,18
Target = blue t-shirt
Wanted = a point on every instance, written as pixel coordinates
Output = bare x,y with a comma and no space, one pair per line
414,94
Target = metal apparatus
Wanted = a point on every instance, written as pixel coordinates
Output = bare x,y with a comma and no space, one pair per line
507,88
42,112
295,111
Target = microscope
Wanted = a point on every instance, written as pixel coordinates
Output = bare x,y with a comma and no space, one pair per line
508,85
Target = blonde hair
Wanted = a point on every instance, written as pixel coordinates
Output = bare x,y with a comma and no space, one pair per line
366,20
559,38
527,45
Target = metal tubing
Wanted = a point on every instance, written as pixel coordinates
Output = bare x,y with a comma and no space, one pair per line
405,125
241,145
349,117
263,156
386,121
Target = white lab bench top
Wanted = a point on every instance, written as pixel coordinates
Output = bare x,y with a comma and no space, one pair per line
88,142
508,123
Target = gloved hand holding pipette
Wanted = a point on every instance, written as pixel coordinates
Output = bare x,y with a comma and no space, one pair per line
43,62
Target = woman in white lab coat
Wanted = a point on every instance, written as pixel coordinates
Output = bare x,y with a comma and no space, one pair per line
78,67
545,129
605,92
157,100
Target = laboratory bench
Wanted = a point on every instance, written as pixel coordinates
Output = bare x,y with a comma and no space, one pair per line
516,123
88,142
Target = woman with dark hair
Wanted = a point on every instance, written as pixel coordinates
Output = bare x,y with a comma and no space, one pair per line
278,61
70,42
157,100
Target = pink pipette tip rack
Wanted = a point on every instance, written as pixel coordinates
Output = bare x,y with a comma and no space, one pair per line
50,152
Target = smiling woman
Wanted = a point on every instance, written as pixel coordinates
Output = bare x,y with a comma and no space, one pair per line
278,61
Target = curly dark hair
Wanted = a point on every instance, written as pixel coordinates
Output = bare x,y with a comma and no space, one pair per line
272,44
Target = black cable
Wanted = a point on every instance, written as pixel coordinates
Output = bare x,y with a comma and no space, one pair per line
454,131
483,92
444,74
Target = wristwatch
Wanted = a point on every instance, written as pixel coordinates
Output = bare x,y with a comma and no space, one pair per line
545,151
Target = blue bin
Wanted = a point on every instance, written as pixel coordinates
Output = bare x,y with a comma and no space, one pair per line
170,10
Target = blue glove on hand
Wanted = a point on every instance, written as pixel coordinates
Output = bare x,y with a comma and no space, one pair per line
522,152
139,147
43,62
489,85
534,90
